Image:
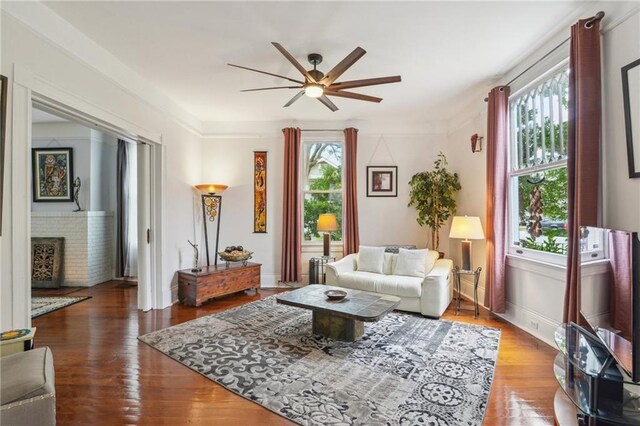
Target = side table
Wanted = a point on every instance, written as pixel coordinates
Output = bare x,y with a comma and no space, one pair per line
316,268
456,282
195,288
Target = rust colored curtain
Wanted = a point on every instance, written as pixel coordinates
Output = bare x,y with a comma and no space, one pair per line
621,298
583,159
291,263
497,148
350,234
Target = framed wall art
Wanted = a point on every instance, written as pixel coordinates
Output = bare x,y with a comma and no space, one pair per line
260,192
382,181
52,174
3,131
631,99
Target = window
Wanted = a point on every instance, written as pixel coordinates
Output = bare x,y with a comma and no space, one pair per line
538,168
322,186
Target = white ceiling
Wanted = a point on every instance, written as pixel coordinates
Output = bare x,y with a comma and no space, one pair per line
444,51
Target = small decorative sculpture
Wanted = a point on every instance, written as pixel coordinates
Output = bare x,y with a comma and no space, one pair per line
196,255
76,193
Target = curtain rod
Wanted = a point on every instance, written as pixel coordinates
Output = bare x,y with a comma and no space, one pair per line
321,130
597,17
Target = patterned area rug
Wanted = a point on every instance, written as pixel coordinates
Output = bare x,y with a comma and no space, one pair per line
54,292
406,370
44,305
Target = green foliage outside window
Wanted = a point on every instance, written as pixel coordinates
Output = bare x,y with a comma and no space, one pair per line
536,149
554,195
330,178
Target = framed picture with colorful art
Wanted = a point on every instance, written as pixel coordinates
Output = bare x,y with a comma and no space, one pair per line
382,181
52,174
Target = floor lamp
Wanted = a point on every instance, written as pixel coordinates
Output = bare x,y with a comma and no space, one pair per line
467,228
211,209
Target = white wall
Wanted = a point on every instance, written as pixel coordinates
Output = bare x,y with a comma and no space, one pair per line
40,52
535,290
230,162
103,172
65,134
228,159
94,162
471,168
620,47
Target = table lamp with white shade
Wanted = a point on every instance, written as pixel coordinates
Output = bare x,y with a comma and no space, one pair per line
327,222
466,228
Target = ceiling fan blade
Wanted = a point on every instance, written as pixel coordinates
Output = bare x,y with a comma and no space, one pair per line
352,95
328,103
295,98
267,73
365,82
344,65
272,88
293,60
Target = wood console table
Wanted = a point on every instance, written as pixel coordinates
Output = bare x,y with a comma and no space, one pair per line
194,288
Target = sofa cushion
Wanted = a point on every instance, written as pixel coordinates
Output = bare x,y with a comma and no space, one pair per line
432,258
411,263
389,263
26,375
358,280
394,285
371,259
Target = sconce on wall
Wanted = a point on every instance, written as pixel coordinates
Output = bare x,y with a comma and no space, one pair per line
476,143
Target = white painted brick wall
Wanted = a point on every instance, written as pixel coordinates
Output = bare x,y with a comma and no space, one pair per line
88,250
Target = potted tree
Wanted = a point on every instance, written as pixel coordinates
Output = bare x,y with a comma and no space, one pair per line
433,194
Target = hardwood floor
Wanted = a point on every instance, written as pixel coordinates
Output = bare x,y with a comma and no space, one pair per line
104,375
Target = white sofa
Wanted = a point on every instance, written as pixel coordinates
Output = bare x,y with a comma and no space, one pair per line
429,296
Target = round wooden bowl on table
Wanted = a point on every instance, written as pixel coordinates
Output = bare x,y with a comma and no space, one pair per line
335,294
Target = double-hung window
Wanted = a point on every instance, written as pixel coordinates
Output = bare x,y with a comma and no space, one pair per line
538,135
322,165
539,127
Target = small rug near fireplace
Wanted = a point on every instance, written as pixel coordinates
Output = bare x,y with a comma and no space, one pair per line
406,369
44,305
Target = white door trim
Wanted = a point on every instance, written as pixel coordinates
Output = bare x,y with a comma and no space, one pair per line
145,271
28,88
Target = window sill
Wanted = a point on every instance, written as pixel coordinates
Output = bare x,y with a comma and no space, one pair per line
517,259
317,247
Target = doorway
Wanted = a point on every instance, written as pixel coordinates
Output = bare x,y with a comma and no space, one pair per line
83,206
103,171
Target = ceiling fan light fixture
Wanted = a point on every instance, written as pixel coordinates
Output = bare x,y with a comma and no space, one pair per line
314,90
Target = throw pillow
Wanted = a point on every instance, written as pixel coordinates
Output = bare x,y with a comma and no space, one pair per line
411,263
370,259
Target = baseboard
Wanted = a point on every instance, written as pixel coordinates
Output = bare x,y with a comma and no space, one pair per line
531,322
271,281
523,318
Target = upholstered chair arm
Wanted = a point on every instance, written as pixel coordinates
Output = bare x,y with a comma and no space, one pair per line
346,264
437,289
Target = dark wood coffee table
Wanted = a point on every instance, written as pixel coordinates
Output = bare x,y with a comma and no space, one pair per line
343,319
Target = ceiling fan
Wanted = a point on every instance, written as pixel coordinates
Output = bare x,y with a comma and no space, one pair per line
319,85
